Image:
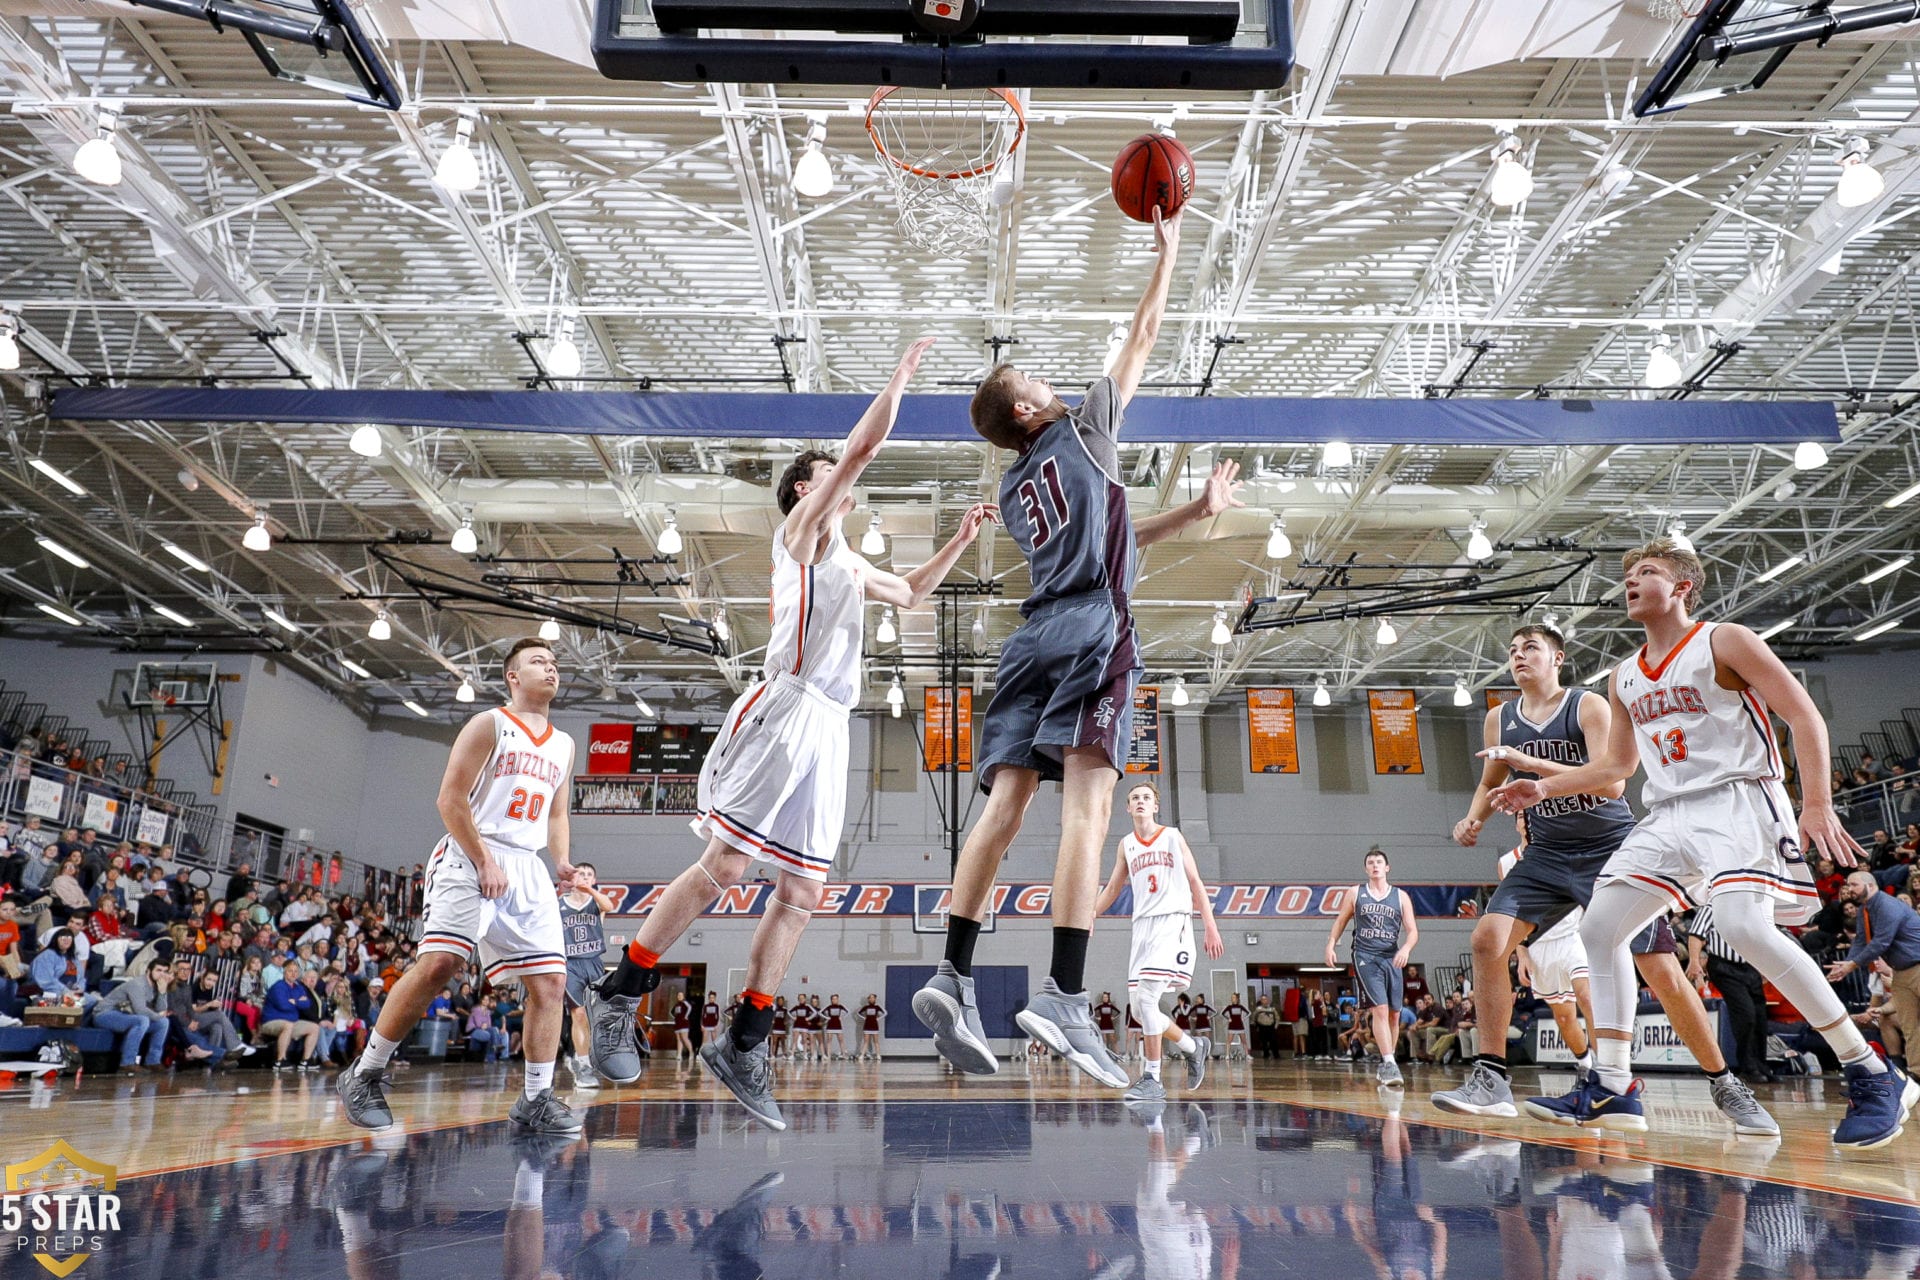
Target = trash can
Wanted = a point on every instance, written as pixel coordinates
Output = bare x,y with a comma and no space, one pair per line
431,1036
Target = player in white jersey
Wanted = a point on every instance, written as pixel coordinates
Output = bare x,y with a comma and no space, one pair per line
773,789
1692,708
503,797
1156,863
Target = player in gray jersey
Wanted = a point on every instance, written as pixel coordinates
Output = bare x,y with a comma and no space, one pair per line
581,923
1543,732
1384,933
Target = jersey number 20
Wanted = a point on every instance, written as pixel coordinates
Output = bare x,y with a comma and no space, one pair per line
1046,511
523,804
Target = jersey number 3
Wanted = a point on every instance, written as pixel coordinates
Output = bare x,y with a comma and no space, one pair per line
1046,510
525,805
1153,882
1672,745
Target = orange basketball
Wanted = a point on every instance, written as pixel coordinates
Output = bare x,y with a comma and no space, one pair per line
1152,172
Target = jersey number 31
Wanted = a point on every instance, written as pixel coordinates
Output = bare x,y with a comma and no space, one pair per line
1046,510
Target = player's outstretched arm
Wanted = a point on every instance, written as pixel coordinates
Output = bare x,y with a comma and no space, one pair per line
1339,927
911,589
1221,492
1493,772
1203,901
1613,765
811,521
1738,650
1132,363
470,752
1111,893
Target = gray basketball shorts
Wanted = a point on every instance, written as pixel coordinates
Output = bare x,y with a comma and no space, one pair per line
582,972
1066,679
1546,884
1381,981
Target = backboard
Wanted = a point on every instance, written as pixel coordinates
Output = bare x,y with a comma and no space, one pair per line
1693,73
1233,45
168,686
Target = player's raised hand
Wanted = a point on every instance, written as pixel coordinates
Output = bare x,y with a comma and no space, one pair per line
1466,832
1223,486
910,361
1166,231
1517,796
1822,832
977,514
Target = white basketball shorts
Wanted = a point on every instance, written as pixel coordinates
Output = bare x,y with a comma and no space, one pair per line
1741,836
1556,963
1162,951
775,783
515,934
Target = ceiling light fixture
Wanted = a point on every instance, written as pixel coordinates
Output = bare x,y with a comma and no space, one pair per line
550,630
380,628
356,668
1386,634
720,626
1662,370
896,696
1512,181
98,159
1903,497
1279,546
186,557
1780,568
1785,624
886,632
459,169
55,611
980,629
1808,455
366,441
465,692
1860,183
73,487
280,619
669,542
1868,634
871,543
1479,546
414,707
55,548
1677,534
1598,676
563,353
257,537
9,342
1336,453
1461,697
173,616
1321,698
1890,567
644,707
464,543
813,172
1222,634
1180,698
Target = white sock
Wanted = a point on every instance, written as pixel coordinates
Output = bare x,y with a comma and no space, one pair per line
1150,1069
1186,1044
539,1077
1585,1061
378,1053
529,1187
355,1231
1852,1048
1613,1063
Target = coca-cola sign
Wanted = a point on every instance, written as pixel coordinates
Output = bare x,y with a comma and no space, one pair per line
610,748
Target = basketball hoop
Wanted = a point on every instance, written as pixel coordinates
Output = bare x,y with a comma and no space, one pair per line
942,150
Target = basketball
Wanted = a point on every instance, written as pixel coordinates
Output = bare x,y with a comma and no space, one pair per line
1152,172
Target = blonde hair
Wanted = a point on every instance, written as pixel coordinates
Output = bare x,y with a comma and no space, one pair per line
1685,564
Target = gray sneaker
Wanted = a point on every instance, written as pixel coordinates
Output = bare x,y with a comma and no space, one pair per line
1389,1073
611,1049
1737,1103
584,1076
1064,1024
748,1076
1486,1093
545,1113
1145,1089
363,1096
1197,1062
945,1005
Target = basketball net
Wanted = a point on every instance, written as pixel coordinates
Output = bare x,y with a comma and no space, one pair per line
942,150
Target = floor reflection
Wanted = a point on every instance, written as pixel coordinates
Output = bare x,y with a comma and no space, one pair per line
906,1190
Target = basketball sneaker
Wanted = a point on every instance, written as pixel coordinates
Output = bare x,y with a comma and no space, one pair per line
584,1076
1877,1107
544,1113
1064,1023
1591,1105
1388,1074
732,1239
1145,1089
747,1074
611,1048
1197,1062
363,1096
1486,1093
945,1006
1737,1103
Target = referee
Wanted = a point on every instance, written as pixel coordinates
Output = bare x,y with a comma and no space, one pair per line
1742,990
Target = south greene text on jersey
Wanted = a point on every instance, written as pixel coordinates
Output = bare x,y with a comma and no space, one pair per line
1652,705
528,764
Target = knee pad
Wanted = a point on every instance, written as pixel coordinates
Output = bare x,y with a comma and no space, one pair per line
1145,1002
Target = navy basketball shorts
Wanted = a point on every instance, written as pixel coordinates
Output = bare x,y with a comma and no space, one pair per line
1546,884
1381,982
1066,679
1654,940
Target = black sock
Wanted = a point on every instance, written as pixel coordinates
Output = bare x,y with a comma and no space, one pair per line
1721,1074
751,1026
962,933
1070,959
1498,1064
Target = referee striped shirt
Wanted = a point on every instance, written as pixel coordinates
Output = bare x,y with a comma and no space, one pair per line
1700,925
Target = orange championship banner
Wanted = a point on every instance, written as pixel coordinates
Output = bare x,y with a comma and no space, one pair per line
1500,697
1273,738
941,733
1395,716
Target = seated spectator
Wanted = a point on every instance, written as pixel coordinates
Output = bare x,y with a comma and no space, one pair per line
251,994
341,1030
39,872
291,1010
1879,850
58,970
217,916
109,890
68,894
1871,767
240,883
156,910
12,967
138,1008
1909,846
32,837
441,1007
205,1041
481,1031
463,1001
